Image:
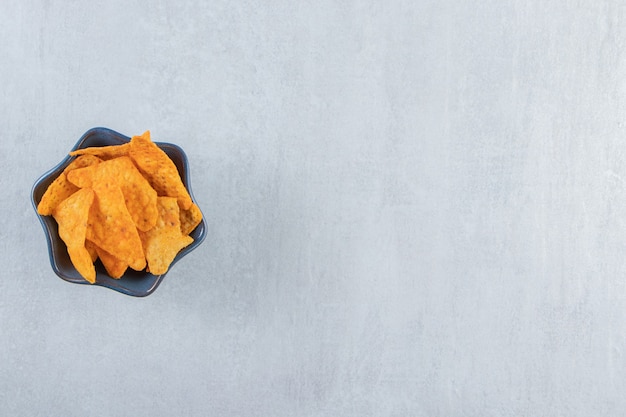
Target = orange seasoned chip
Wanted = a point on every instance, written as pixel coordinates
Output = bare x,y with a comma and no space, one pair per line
91,248
61,188
111,226
159,169
190,219
104,152
163,242
140,198
114,266
83,177
72,217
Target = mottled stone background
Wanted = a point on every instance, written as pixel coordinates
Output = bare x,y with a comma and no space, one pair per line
414,208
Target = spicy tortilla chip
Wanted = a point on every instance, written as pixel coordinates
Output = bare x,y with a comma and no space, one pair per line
190,219
104,152
163,242
159,169
61,188
114,266
140,198
112,228
91,248
72,217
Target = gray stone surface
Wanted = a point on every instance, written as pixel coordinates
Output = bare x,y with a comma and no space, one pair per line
415,208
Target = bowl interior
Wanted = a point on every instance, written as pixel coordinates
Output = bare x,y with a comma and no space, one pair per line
135,283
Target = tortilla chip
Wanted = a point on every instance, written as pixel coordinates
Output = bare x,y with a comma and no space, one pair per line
163,242
104,152
114,267
91,248
72,216
61,188
83,177
159,169
111,226
140,198
190,219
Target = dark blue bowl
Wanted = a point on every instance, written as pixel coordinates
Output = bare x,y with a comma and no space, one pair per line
135,283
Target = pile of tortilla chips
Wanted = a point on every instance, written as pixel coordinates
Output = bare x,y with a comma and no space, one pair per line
125,204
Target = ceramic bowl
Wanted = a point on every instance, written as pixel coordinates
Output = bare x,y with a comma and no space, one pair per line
134,283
